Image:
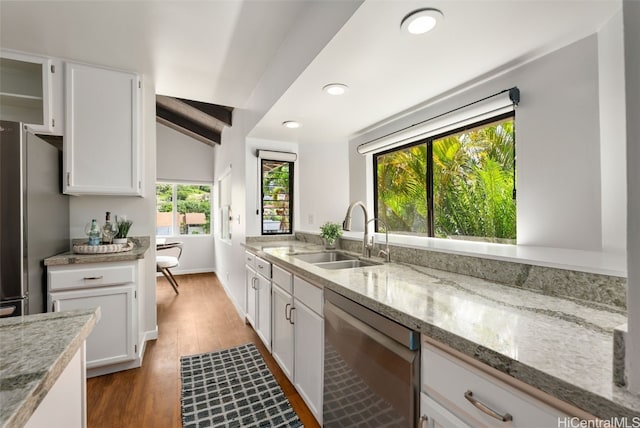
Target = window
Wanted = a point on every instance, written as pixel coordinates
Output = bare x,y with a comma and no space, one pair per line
183,209
458,185
277,200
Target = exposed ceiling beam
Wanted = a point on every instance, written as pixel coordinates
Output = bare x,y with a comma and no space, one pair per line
201,121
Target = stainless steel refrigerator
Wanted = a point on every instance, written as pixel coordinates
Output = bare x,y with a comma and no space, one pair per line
34,217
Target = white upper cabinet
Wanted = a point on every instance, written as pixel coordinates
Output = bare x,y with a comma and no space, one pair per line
31,91
102,131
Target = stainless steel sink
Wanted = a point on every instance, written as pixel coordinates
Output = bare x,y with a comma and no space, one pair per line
346,264
325,256
334,260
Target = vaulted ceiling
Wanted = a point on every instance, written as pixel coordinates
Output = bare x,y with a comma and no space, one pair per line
216,52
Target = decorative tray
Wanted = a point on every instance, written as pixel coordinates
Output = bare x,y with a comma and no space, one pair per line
102,249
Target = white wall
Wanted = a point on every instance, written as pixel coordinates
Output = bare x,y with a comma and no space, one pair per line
183,159
140,210
180,157
324,180
631,11
318,22
557,146
612,134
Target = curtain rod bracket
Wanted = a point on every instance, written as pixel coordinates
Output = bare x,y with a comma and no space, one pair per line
514,95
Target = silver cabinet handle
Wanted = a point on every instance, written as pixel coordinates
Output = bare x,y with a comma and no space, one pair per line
286,307
56,306
486,409
291,315
92,278
254,281
423,421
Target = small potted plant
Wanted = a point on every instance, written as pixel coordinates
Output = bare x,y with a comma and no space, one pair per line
123,230
330,232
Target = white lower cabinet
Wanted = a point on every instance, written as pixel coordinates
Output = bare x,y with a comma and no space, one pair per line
308,356
112,340
65,405
456,394
113,288
298,335
258,284
252,306
263,295
282,338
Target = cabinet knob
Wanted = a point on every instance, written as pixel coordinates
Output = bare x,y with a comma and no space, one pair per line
423,420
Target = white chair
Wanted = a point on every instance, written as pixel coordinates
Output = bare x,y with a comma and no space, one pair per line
169,259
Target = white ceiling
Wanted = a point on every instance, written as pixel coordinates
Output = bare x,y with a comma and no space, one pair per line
389,72
216,51
211,51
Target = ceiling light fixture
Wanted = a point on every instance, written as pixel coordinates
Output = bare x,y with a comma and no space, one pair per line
421,21
291,124
335,88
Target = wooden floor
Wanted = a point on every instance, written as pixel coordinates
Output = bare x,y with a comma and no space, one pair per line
201,319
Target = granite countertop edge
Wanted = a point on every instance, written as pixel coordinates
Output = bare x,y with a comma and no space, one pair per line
625,403
33,396
141,245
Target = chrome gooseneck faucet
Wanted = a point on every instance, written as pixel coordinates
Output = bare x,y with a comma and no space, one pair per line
346,225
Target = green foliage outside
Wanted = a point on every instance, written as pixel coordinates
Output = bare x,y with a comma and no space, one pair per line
276,198
473,181
191,198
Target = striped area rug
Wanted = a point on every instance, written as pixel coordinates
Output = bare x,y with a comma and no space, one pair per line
232,388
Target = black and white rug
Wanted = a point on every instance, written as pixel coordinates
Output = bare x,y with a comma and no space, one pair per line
232,388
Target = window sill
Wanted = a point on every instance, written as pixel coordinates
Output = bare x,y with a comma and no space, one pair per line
604,263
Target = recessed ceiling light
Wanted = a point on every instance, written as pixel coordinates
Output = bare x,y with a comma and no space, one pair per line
335,88
421,21
291,124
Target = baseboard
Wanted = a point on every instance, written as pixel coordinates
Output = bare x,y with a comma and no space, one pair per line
233,300
188,271
99,371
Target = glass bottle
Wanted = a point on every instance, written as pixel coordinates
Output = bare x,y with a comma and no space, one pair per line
94,233
109,229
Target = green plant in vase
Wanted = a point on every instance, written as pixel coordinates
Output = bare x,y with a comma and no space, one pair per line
330,232
123,229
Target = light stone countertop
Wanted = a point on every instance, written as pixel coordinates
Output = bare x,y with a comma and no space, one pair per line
560,346
34,351
141,245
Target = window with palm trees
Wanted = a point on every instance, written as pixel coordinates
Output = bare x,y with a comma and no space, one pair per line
277,191
460,185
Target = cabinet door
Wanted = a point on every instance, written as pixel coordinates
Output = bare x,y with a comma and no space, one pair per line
282,340
308,356
113,339
252,308
102,135
433,415
26,90
264,310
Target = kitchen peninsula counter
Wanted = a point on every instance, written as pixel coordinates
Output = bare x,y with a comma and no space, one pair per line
140,247
35,351
563,347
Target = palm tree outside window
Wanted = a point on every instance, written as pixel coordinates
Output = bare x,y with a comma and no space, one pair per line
458,185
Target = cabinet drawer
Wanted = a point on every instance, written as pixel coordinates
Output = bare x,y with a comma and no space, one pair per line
282,278
263,267
447,379
90,275
308,294
249,259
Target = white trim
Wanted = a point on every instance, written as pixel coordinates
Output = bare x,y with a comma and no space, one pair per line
476,112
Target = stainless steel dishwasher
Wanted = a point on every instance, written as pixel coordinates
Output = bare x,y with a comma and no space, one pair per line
371,367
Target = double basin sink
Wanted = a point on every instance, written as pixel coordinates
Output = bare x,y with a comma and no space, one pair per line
334,260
